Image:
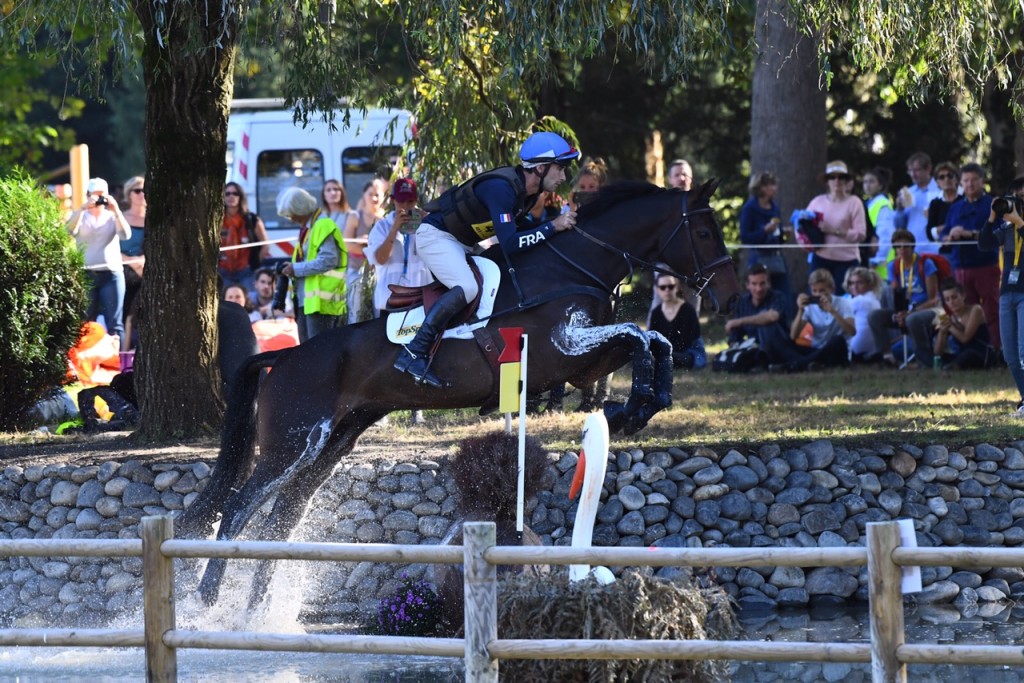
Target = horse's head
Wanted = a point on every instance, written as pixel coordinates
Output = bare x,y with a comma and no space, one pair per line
691,243
668,227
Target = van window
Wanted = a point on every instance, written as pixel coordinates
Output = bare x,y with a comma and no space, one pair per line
276,171
360,165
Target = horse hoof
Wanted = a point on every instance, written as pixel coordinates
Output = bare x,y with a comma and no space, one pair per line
615,413
633,425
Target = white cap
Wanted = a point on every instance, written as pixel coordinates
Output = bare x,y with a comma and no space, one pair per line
97,185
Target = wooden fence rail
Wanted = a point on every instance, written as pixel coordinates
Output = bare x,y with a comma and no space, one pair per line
482,649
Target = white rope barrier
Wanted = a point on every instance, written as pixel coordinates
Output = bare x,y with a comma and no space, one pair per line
734,245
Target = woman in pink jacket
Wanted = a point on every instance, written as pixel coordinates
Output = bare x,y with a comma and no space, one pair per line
843,222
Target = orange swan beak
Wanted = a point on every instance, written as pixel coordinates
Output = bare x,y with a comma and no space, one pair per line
577,479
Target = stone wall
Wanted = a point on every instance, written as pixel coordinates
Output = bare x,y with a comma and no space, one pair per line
814,496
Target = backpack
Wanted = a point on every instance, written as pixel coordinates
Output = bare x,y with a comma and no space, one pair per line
742,357
942,265
254,253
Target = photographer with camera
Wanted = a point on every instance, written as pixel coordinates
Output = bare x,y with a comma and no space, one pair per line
1005,230
98,226
830,317
391,245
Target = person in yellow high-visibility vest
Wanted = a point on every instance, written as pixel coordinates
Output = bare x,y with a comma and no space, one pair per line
318,265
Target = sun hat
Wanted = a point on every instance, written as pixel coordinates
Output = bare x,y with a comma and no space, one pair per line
97,185
832,168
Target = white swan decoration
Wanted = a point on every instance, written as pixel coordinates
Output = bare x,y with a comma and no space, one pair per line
590,480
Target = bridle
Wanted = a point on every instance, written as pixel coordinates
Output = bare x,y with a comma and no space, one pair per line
698,281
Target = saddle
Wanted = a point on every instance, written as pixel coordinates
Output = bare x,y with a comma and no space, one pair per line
404,298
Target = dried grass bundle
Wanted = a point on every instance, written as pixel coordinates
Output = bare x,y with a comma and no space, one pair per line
637,606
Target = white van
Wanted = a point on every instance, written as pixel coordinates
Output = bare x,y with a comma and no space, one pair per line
268,152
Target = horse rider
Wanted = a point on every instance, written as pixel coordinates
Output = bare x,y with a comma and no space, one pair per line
485,205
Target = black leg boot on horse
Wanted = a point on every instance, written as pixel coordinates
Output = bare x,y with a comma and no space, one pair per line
414,358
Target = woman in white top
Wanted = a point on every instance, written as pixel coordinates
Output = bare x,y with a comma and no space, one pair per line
391,246
864,286
98,225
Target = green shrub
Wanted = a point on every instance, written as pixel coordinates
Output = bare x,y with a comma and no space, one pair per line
42,296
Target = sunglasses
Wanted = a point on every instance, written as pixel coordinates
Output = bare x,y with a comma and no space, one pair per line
945,176
232,194
665,288
138,190
837,176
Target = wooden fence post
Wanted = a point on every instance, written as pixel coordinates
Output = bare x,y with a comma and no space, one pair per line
886,599
481,602
158,600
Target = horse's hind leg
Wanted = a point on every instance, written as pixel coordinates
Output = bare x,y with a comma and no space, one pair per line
295,495
240,507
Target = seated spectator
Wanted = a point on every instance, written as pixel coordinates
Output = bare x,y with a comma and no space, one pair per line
831,319
962,339
677,321
237,294
262,296
761,316
864,287
915,284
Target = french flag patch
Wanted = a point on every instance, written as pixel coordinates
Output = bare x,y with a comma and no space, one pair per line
505,217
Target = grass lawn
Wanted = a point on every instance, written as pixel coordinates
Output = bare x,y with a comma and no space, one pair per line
856,406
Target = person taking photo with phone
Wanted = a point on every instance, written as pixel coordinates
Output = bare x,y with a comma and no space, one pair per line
98,226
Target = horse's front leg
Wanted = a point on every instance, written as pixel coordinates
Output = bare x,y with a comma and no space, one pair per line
578,338
633,415
661,351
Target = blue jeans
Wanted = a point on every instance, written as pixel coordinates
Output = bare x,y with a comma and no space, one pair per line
106,296
1011,330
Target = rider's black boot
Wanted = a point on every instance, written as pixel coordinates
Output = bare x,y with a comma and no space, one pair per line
414,358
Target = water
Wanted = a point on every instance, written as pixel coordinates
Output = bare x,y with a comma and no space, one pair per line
993,625
988,624
96,665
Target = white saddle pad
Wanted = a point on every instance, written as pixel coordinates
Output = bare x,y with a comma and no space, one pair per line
403,325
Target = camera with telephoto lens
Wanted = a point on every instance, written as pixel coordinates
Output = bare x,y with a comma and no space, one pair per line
1007,204
280,289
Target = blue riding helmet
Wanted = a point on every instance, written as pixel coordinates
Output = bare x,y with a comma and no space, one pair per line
547,148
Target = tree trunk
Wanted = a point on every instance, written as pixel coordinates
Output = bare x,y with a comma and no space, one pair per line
1006,136
188,95
787,112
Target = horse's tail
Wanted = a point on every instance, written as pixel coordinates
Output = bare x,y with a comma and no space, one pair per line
236,446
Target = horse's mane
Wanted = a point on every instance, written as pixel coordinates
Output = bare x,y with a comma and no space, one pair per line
617,192
622,190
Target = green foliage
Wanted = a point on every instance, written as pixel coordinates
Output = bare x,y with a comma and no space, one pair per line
42,296
23,139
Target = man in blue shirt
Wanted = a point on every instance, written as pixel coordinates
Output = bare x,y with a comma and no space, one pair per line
484,206
912,201
977,271
761,315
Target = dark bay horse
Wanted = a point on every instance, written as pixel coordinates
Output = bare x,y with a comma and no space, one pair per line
323,394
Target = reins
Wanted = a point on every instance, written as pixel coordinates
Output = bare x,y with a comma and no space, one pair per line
697,282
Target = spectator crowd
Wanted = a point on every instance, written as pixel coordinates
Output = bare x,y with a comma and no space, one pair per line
927,275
